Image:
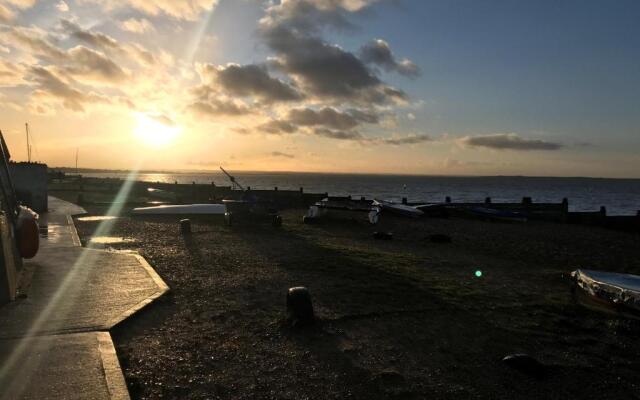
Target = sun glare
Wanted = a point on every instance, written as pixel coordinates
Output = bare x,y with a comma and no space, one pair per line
153,132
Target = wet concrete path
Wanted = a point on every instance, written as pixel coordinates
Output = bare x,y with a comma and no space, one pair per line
70,289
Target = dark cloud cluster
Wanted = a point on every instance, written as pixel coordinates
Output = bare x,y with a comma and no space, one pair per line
379,53
340,87
252,80
509,141
330,118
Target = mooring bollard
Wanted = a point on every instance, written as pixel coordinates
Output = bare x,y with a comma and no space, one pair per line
185,226
299,306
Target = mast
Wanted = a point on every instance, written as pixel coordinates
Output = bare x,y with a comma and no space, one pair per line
26,126
76,161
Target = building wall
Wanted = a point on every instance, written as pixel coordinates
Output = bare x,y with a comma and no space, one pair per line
30,182
10,262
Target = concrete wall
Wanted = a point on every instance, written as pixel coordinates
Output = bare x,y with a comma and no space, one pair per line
30,181
10,262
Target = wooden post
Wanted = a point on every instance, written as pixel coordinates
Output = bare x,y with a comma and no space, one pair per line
603,211
447,199
404,200
275,188
526,201
301,189
565,205
487,200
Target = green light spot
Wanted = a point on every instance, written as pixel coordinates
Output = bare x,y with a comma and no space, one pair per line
478,273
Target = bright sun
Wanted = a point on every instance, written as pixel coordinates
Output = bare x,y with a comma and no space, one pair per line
153,132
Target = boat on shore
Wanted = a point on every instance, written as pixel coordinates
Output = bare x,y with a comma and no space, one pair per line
181,209
344,208
498,215
608,291
398,209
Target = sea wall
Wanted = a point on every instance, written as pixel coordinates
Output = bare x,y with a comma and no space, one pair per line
30,182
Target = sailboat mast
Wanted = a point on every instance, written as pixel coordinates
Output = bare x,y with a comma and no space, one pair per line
26,126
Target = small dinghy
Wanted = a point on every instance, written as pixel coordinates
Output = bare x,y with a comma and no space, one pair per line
182,209
399,209
343,208
500,215
608,291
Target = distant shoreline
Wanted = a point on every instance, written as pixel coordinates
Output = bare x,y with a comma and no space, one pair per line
242,172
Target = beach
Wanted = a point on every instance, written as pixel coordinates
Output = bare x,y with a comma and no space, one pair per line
398,319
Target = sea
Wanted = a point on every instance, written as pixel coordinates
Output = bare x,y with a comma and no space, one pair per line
619,196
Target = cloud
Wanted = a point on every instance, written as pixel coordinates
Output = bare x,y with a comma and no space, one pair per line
217,107
62,6
22,4
277,127
250,80
281,154
411,139
139,26
337,134
6,14
330,118
10,74
509,141
326,70
50,85
379,53
107,44
95,39
188,10
90,63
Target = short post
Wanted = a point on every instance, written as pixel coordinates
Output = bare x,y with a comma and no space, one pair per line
301,189
185,226
404,200
526,201
565,205
487,200
447,199
362,198
603,211
275,188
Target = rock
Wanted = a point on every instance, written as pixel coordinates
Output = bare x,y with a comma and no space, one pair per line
440,238
525,364
383,235
299,306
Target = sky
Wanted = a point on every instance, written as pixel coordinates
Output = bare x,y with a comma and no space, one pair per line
462,87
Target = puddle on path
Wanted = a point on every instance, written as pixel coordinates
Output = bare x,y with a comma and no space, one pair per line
97,218
110,240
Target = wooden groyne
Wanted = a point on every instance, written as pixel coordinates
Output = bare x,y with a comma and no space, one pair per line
104,190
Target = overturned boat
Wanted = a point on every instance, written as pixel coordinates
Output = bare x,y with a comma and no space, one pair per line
398,209
608,291
344,208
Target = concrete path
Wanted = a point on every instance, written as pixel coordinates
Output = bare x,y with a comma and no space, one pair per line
73,366
70,289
